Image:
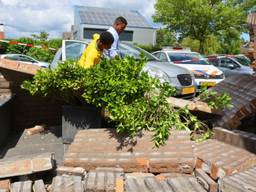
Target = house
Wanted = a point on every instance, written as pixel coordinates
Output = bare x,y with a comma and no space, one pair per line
90,20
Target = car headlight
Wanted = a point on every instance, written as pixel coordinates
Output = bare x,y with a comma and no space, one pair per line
203,76
222,76
157,73
199,75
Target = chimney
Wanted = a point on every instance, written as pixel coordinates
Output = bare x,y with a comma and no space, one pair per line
1,31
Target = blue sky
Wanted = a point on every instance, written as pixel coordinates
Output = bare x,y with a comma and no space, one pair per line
245,36
25,17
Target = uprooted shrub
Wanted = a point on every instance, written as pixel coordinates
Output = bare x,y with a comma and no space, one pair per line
133,100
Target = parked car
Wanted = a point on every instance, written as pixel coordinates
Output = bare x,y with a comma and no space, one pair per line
231,64
25,59
177,76
205,73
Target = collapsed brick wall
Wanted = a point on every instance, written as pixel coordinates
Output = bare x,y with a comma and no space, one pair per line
242,90
28,110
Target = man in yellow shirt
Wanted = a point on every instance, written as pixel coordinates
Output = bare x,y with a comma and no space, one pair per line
93,52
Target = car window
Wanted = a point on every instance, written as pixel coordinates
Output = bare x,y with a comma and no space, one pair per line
225,62
243,60
12,57
157,54
187,58
131,50
214,62
74,50
25,59
162,57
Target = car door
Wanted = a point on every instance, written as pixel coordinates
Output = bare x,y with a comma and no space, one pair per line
71,49
228,66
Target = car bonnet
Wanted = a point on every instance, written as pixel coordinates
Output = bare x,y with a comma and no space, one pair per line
202,69
170,70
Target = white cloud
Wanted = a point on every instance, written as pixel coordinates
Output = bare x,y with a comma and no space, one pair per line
24,17
9,2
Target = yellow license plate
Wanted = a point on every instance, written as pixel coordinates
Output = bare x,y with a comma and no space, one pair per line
208,84
188,90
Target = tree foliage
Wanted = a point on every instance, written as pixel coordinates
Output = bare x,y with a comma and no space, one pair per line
211,46
42,36
230,41
200,19
164,37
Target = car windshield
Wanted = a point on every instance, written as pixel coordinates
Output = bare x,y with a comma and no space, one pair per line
131,50
187,58
243,60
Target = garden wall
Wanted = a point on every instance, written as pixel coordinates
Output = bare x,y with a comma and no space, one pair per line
28,110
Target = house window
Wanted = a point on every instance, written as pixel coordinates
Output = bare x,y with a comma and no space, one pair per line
88,32
125,36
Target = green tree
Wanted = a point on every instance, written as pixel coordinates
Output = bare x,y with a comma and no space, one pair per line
164,37
54,43
230,41
42,36
211,46
246,4
200,19
193,44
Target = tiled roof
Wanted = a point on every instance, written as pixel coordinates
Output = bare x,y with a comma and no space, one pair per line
242,90
105,16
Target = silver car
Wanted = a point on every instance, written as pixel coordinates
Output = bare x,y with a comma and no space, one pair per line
25,59
180,78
